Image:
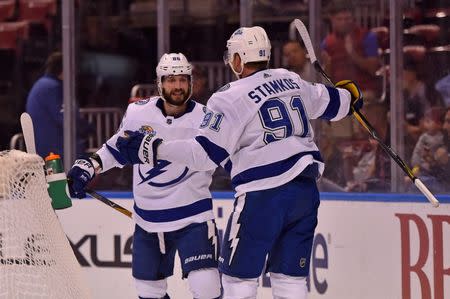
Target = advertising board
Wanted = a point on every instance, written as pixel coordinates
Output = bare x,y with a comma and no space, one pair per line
365,246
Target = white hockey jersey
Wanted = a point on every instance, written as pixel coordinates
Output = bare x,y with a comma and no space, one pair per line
170,196
259,129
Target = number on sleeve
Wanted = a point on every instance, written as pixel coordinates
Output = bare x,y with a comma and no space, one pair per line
206,119
215,125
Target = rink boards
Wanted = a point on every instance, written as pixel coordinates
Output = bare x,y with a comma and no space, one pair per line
366,246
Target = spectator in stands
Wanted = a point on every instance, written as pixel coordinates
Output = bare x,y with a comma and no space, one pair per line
442,167
332,177
443,87
371,173
414,91
446,126
200,90
350,51
424,158
45,106
296,60
415,105
366,166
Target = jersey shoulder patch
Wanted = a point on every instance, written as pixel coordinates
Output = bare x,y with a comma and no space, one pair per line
225,87
142,102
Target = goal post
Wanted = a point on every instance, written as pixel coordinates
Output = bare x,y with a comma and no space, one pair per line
36,259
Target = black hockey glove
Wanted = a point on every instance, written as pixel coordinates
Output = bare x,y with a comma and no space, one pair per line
355,92
138,148
81,173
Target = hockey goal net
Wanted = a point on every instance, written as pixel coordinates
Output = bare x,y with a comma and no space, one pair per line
36,260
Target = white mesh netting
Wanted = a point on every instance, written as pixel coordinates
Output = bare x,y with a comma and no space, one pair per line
36,260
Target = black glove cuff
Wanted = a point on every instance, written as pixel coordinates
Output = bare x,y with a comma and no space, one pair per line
97,158
155,146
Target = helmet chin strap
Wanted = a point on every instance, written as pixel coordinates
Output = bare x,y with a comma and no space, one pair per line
238,74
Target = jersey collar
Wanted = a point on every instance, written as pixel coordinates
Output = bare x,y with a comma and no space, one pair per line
255,72
190,107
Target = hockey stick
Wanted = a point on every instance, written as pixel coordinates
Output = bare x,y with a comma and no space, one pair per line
108,202
301,28
28,132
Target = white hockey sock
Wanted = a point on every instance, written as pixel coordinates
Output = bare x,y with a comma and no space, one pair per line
239,288
288,287
151,288
204,283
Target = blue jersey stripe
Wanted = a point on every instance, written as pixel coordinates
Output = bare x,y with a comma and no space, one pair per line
215,152
116,154
334,104
174,214
271,170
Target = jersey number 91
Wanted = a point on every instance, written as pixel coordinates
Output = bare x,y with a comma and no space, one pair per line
276,119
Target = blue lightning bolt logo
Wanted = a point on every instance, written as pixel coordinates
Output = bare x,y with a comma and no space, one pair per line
235,225
212,235
158,170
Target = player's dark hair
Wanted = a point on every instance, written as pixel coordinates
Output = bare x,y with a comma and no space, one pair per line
54,64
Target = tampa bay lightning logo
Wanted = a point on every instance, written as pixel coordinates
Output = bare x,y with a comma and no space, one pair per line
238,32
142,101
159,169
225,87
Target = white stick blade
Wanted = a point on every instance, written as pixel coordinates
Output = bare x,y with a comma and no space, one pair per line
28,132
301,28
426,192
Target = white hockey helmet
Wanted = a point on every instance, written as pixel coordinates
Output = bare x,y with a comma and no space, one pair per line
173,64
251,43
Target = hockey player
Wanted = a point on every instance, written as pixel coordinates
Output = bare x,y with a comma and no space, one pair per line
258,128
173,205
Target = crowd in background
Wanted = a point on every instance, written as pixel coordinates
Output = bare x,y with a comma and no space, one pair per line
112,61
355,162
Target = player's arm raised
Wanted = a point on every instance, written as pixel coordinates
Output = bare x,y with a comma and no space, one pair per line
331,103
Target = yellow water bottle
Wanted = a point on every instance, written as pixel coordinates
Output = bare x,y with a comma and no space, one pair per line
57,182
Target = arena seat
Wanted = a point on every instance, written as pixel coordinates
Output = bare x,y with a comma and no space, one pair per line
11,33
38,12
428,34
7,9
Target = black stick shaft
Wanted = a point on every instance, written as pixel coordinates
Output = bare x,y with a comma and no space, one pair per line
108,202
365,123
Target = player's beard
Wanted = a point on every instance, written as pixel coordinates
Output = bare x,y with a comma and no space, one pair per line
170,98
